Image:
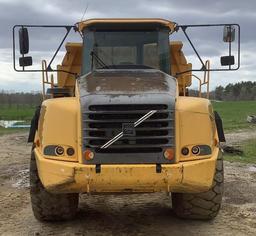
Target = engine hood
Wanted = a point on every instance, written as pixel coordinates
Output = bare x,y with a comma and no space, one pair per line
127,82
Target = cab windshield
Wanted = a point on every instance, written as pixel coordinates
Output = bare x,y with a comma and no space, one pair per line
126,50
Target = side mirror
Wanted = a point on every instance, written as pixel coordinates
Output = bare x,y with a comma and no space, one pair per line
25,61
227,60
24,47
229,33
23,40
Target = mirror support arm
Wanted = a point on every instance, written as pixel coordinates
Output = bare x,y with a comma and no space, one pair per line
23,68
68,28
184,27
49,68
192,45
229,50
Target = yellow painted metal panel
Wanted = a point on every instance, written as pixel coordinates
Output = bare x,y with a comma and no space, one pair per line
60,176
179,64
58,125
84,24
198,175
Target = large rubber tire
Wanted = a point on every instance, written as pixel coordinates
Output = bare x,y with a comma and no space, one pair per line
203,206
47,206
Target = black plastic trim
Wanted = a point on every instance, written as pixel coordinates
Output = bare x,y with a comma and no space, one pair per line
59,92
34,125
50,150
219,127
158,168
204,150
98,168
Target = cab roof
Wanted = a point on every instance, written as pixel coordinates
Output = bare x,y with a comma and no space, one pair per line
126,24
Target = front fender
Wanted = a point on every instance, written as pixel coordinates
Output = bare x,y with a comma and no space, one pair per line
194,126
58,123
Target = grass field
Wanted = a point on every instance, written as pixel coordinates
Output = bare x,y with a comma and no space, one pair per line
234,114
16,112
249,155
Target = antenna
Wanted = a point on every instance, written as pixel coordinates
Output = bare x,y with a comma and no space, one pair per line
87,5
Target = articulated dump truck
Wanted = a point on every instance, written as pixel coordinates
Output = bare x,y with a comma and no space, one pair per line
119,119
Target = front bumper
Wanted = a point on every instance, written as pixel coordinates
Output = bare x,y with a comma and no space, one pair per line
69,177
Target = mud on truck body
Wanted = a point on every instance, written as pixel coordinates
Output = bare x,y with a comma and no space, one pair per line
120,120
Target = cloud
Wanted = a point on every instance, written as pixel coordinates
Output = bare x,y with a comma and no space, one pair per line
69,12
23,81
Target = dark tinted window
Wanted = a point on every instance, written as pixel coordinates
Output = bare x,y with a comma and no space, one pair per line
110,48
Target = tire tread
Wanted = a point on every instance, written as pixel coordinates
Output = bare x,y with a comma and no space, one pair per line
48,206
204,205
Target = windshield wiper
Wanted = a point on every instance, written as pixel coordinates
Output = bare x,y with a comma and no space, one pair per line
101,62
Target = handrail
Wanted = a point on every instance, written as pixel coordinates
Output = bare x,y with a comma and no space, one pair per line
207,78
206,81
200,84
45,78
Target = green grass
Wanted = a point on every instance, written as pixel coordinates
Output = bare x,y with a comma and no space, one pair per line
249,153
234,114
16,112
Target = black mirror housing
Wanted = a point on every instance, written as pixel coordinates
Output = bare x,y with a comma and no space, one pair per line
227,60
25,61
23,40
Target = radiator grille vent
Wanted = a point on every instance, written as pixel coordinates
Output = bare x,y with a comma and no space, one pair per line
102,122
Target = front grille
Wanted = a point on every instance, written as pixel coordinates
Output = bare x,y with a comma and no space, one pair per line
102,122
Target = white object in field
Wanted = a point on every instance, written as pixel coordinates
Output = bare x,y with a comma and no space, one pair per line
13,124
251,119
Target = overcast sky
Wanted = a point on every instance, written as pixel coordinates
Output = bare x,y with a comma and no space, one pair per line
181,11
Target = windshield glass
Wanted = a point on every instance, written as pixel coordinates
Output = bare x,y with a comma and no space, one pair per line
126,49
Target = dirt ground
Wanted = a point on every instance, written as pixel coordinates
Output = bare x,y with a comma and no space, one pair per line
147,214
239,136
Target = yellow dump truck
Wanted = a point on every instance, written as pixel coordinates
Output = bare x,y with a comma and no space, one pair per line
119,119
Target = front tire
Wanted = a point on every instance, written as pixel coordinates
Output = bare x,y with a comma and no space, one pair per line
203,206
47,206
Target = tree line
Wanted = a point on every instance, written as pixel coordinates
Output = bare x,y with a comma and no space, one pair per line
236,92
243,91
231,92
20,99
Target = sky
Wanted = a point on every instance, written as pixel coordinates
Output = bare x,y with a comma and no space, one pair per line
66,12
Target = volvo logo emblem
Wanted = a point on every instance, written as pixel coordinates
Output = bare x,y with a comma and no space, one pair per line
128,129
